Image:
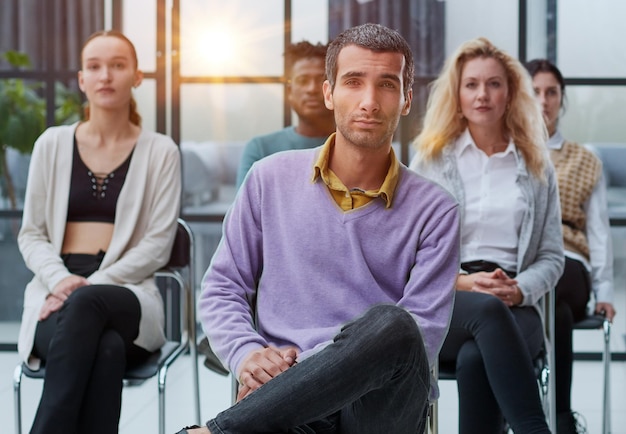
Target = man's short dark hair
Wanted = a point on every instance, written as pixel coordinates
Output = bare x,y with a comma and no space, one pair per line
302,50
373,37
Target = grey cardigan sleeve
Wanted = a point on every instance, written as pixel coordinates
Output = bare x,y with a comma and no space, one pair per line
542,258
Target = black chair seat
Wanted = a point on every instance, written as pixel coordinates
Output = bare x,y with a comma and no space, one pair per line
150,367
592,322
447,371
39,373
145,371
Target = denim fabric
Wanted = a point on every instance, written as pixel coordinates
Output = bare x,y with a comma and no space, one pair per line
374,378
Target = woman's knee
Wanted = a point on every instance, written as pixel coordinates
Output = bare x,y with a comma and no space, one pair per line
80,299
101,300
111,349
470,360
491,308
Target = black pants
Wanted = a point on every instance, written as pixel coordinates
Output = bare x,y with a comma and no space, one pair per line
491,347
572,296
86,347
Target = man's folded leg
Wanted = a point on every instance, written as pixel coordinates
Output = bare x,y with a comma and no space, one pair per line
373,378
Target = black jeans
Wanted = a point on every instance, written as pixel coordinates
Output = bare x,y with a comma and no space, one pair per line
86,347
374,378
491,347
572,296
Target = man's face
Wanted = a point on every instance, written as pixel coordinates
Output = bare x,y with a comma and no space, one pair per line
368,98
305,89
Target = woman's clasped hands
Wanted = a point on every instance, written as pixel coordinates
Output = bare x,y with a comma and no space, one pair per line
496,283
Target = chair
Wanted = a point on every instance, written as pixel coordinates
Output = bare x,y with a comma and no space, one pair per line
593,322
545,381
180,326
545,376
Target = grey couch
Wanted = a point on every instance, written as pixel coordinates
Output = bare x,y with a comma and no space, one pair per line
613,156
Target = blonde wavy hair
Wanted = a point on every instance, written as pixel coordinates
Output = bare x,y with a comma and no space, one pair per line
522,121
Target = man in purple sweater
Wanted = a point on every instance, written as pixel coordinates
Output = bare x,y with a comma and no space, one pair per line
330,294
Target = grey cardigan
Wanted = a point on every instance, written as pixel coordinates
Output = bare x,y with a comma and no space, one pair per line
540,258
145,226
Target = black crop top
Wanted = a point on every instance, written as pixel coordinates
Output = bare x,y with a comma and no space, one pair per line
93,196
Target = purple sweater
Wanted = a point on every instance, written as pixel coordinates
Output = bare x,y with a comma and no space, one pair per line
309,267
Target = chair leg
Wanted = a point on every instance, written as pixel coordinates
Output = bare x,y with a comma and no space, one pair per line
234,390
606,359
196,381
543,382
161,385
193,352
433,419
552,363
17,383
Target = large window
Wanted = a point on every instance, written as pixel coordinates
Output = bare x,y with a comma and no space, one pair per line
590,52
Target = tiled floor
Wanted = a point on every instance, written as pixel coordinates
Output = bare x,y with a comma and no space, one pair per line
139,406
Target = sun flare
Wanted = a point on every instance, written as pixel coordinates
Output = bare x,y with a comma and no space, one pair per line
218,46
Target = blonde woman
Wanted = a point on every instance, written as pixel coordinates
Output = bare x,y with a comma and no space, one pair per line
99,219
483,140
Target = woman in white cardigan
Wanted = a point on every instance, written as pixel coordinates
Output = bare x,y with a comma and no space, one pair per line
99,219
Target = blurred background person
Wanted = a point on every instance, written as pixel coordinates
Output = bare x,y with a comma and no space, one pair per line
304,63
586,236
93,308
304,69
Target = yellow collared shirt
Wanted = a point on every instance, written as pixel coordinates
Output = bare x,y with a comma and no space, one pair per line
354,198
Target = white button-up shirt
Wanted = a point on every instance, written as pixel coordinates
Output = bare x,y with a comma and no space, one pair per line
494,204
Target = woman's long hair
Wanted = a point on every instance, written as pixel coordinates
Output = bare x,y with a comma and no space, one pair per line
522,121
133,115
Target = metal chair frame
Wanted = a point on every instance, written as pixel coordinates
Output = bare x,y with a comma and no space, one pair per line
594,322
180,265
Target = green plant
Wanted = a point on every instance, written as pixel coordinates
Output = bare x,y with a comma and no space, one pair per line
23,115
